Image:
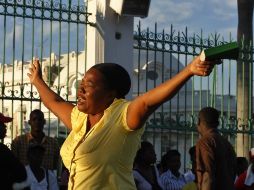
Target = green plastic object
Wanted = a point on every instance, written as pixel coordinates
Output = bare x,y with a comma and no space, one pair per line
225,51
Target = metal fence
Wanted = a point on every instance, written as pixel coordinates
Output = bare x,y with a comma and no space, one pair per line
158,56
54,31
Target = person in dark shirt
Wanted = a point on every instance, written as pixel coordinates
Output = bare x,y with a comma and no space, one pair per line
12,173
20,144
215,156
145,173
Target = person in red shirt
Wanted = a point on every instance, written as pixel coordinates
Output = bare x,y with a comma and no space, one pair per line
246,180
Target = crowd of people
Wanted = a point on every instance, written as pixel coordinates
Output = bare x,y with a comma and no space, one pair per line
104,148
214,163
213,160
34,155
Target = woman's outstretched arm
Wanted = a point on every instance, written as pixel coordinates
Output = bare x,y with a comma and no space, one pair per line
50,99
142,106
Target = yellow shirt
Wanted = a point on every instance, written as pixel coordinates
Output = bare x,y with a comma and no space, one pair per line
190,186
103,158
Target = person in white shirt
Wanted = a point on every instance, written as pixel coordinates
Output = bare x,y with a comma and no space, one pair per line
145,173
190,174
171,178
38,177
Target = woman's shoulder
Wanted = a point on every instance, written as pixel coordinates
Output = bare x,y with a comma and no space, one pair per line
75,112
77,119
118,104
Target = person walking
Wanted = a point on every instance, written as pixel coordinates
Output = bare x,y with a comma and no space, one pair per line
215,156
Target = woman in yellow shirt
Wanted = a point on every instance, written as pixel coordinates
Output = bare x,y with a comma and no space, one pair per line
105,128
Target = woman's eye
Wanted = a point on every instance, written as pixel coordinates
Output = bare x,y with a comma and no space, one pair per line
88,85
81,89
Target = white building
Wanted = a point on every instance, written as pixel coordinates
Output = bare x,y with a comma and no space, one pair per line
17,90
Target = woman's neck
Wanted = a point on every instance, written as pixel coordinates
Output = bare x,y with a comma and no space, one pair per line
93,119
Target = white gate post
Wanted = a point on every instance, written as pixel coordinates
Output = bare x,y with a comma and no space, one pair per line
111,37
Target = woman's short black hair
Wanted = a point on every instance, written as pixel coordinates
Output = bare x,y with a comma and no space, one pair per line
116,77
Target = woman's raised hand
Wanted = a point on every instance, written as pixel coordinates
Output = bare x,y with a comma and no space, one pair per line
202,68
35,73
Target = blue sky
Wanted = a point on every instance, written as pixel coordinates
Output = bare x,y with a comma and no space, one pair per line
211,15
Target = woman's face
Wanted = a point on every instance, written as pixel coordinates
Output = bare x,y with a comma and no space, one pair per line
93,96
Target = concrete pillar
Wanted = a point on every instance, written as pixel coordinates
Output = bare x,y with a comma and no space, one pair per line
110,39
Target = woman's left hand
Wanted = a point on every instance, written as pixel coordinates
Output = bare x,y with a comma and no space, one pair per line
202,68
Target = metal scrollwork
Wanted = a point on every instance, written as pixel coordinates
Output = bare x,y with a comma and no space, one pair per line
38,3
167,37
74,8
36,9
34,94
24,88
64,7
47,4
56,5
175,42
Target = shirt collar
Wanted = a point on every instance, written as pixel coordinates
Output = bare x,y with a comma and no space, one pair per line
210,131
171,175
31,138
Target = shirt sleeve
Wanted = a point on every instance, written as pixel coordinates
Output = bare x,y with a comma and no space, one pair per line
56,154
165,181
52,181
14,147
124,116
205,164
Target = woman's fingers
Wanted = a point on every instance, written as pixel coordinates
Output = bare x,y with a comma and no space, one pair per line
202,68
34,71
36,63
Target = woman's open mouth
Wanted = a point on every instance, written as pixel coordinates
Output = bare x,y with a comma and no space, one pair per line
81,100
